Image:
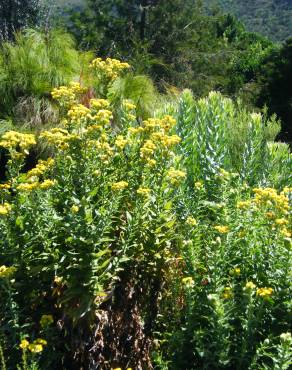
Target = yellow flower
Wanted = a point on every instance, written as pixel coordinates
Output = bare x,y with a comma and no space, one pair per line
227,293
24,344
47,184
281,221
6,272
250,285
188,281
120,185
74,208
46,320
286,233
98,104
144,191
265,292
176,176
191,221
28,186
128,106
198,185
5,186
121,142
236,271
15,140
35,348
41,341
147,149
222,229
5,209
243,204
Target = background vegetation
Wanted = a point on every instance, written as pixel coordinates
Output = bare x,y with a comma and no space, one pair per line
145,207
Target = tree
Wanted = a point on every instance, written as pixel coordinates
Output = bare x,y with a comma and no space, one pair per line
276,86
17,14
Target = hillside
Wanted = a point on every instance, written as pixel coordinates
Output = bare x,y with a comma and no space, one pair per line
272,18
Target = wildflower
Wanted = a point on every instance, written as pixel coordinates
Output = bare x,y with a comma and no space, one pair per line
24,344
286,337
188,281
96,173
78,112
176,176
46,320
227,293
47,184
144,191
120,185
147,149
6,272
265,292
286,233
121,142
128,106
5,209
236,271
222,229
28,187
98,104
15,140
35,348
281,221
168,122
270,214
198,185
41,341
243,204
74,208
5,186
151,162
191,221
250,285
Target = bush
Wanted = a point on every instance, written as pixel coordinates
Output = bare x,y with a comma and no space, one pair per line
133,247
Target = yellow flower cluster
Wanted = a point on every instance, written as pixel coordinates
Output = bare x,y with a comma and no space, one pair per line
128,106
78,112
270,197
135,130
198,185
5,209
41,167
166,140
5,186
97,104
227,293
6,272
250,285
191,221
110,68
46,320
67,94
59,137
15,140
121,185
222,229
103,147
121,142
36,347
148,149
144,191
176,176
265,292
245,204
28,187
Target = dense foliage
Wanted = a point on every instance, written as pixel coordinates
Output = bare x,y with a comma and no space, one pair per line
163,242
272,18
